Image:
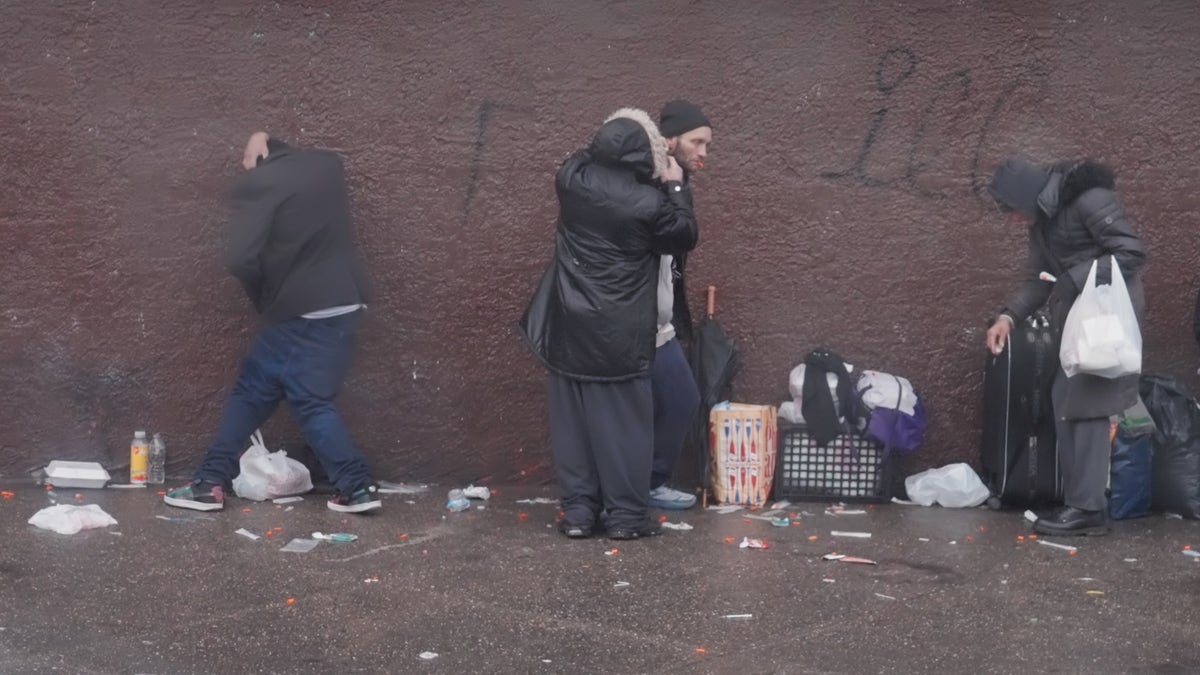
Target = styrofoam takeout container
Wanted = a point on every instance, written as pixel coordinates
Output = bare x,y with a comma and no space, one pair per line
60,473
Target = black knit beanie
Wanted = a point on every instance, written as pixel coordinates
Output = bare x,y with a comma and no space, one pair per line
680,117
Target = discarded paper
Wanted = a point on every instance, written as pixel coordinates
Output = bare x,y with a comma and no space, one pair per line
753,543
738,616
70,519
538,500
287,500
428,656
477,492
389,488
247,533
336,536
856,535
677,526
1051,544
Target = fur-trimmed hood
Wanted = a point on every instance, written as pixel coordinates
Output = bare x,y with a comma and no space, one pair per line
1069,180
629,137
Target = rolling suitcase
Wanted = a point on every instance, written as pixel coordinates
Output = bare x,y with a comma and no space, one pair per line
1019,454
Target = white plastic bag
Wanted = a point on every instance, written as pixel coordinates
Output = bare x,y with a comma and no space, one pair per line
954,486
268,475
1101,336
69,518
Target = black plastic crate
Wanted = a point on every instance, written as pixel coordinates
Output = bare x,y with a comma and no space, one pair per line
850,469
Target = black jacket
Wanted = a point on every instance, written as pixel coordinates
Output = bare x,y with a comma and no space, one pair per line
593,317
1081,220
291,245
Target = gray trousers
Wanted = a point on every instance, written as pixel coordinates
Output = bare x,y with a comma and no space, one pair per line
1085,452
602,436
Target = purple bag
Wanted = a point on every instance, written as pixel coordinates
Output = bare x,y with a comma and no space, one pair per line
898,432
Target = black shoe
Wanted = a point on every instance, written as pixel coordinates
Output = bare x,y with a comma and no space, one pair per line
634,532
362,500
1070,521
575,531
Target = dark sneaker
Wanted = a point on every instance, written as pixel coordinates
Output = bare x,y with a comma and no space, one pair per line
574,531
634,532
363,500
198,496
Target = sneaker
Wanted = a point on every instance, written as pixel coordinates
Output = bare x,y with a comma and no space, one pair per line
642,531
575,531
364,499
198,496
670,499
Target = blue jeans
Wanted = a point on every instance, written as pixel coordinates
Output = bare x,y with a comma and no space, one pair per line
676,403
303,361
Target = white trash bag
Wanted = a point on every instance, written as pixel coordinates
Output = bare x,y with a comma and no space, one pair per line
954,486
1101,336
69,518
269,475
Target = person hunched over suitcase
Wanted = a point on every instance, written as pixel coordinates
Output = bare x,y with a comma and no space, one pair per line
1019,457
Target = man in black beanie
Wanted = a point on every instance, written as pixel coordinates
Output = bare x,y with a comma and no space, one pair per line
676,397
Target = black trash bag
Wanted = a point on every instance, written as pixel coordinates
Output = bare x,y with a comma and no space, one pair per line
1176,482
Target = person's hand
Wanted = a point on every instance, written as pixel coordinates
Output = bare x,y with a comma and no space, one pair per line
674,172
997,335
256,147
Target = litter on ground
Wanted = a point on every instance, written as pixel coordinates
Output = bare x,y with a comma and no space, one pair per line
856,535
246,533
1051,544
677,526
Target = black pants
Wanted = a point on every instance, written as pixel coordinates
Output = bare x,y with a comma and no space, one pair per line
603,438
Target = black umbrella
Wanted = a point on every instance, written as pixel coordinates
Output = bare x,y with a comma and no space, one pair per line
714,363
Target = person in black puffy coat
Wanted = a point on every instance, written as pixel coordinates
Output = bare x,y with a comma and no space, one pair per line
1075,218
592,321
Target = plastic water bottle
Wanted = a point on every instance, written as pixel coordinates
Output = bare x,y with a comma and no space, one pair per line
157,471
139,450
457,501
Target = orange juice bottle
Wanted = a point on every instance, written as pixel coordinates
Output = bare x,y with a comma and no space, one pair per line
139,451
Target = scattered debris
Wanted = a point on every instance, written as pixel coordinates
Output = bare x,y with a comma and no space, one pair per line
754,543
291,601
372,580
856,535
621,584
388,488
7,495
903,502
1063,547
1084,579
829,581
126,486
781,505
612,552
1172,516
246,533
1030,516
925,539
336,536
677,526
538,500
428,656
725,510
289,509
885,597
738,616
1131,560
477,492
1095,592
1192,554
832,556
287,500
840,511
300,545
780,522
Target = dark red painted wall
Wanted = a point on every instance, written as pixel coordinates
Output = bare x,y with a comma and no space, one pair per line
840,206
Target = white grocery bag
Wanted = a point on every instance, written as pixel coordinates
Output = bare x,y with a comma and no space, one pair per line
269,475
1101,336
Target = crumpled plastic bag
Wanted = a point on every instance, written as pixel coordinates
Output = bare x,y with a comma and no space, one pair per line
69,518
954,486
269,475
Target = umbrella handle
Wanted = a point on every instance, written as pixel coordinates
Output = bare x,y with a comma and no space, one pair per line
712,300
